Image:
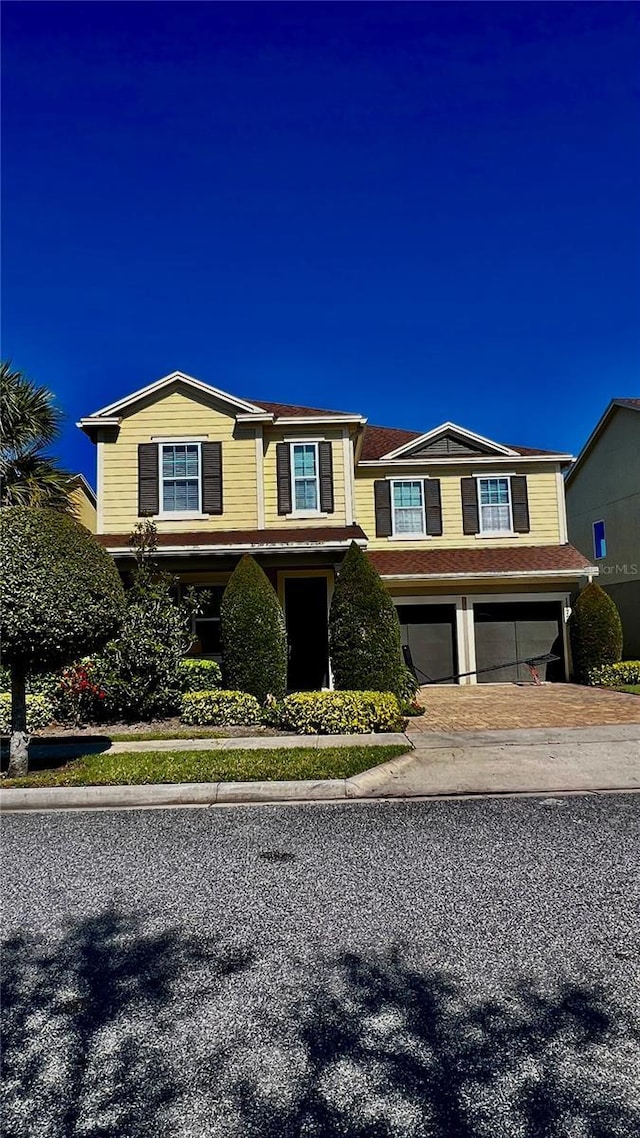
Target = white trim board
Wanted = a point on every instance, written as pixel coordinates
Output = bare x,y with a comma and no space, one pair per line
443,429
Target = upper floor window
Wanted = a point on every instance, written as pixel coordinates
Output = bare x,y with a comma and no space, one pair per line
306,491
408,507
180,469
494,499
599,540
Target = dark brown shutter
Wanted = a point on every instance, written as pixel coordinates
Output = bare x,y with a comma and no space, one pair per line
325,462
148,492
382,497
283,470
433,506
520,504
212,478
470,520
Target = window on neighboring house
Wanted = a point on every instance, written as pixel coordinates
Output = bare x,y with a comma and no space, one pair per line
599,540
408,507
306,492
180,466
494,500
206,624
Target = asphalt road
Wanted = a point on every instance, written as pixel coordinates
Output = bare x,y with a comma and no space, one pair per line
409,970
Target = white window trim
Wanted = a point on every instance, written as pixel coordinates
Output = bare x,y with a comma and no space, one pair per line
178,515
598,522
305,513
408,536
494,532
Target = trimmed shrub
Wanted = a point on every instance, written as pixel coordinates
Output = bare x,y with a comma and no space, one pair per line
341,712
364,632
199,674
220,709
39,712
610,675
254,638
596,631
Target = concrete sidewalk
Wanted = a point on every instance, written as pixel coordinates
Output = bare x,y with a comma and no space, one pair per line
570,760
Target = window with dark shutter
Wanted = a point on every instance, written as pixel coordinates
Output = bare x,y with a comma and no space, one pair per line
382,498
325,463
212,502
148,491
470,519
433,506
283,473
520,503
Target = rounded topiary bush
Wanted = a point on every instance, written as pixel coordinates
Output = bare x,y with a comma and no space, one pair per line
254,638
364,631
199,674
596,631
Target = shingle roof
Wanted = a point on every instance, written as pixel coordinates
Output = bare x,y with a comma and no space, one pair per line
294,410
514,559
634,404
258,537
379,441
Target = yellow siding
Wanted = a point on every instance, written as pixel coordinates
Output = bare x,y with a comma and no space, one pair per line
543,509
178,415
83,509
272,517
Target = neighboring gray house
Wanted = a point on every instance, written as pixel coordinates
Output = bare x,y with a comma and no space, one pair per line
603,510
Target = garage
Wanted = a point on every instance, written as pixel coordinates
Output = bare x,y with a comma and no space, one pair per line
508,632
429,632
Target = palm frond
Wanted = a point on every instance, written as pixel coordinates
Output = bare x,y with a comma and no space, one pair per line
34,479
29,417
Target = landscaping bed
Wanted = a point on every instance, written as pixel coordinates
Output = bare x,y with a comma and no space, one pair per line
150,767
169,728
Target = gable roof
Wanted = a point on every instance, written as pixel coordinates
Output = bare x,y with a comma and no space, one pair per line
626,404
381,442
159,384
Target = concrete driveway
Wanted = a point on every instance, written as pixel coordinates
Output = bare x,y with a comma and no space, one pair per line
506,707
449,969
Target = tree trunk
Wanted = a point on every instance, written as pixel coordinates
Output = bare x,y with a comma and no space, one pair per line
19,747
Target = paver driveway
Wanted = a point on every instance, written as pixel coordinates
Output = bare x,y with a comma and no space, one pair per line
498,707
441,970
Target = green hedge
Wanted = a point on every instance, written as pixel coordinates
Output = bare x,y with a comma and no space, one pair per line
40,712
341,712
610,675
200,674
596,631
220,709
254,638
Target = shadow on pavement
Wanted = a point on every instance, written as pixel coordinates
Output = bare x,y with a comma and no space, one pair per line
372,1049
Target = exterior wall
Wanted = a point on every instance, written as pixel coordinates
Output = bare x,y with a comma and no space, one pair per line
303,434
177,416
606,487
83,509
544,512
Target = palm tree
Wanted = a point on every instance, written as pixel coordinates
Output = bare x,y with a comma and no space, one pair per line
29,423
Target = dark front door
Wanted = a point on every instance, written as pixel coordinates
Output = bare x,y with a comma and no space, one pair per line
509,632
305,606
430,633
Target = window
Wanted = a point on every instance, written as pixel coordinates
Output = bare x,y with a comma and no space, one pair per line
180,466
306,493
206,625
599,540
408,507
495,505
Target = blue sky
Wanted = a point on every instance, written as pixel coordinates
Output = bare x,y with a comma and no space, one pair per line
418,211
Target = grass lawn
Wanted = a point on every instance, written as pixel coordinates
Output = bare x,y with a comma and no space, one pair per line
633,688
211,766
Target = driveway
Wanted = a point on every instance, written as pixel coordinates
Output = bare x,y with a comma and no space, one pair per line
407,970
503,707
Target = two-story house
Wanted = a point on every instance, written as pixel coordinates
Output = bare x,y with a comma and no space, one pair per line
603,510
469,535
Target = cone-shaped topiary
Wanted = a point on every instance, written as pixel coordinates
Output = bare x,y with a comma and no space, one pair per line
254,638
364,632
596,631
